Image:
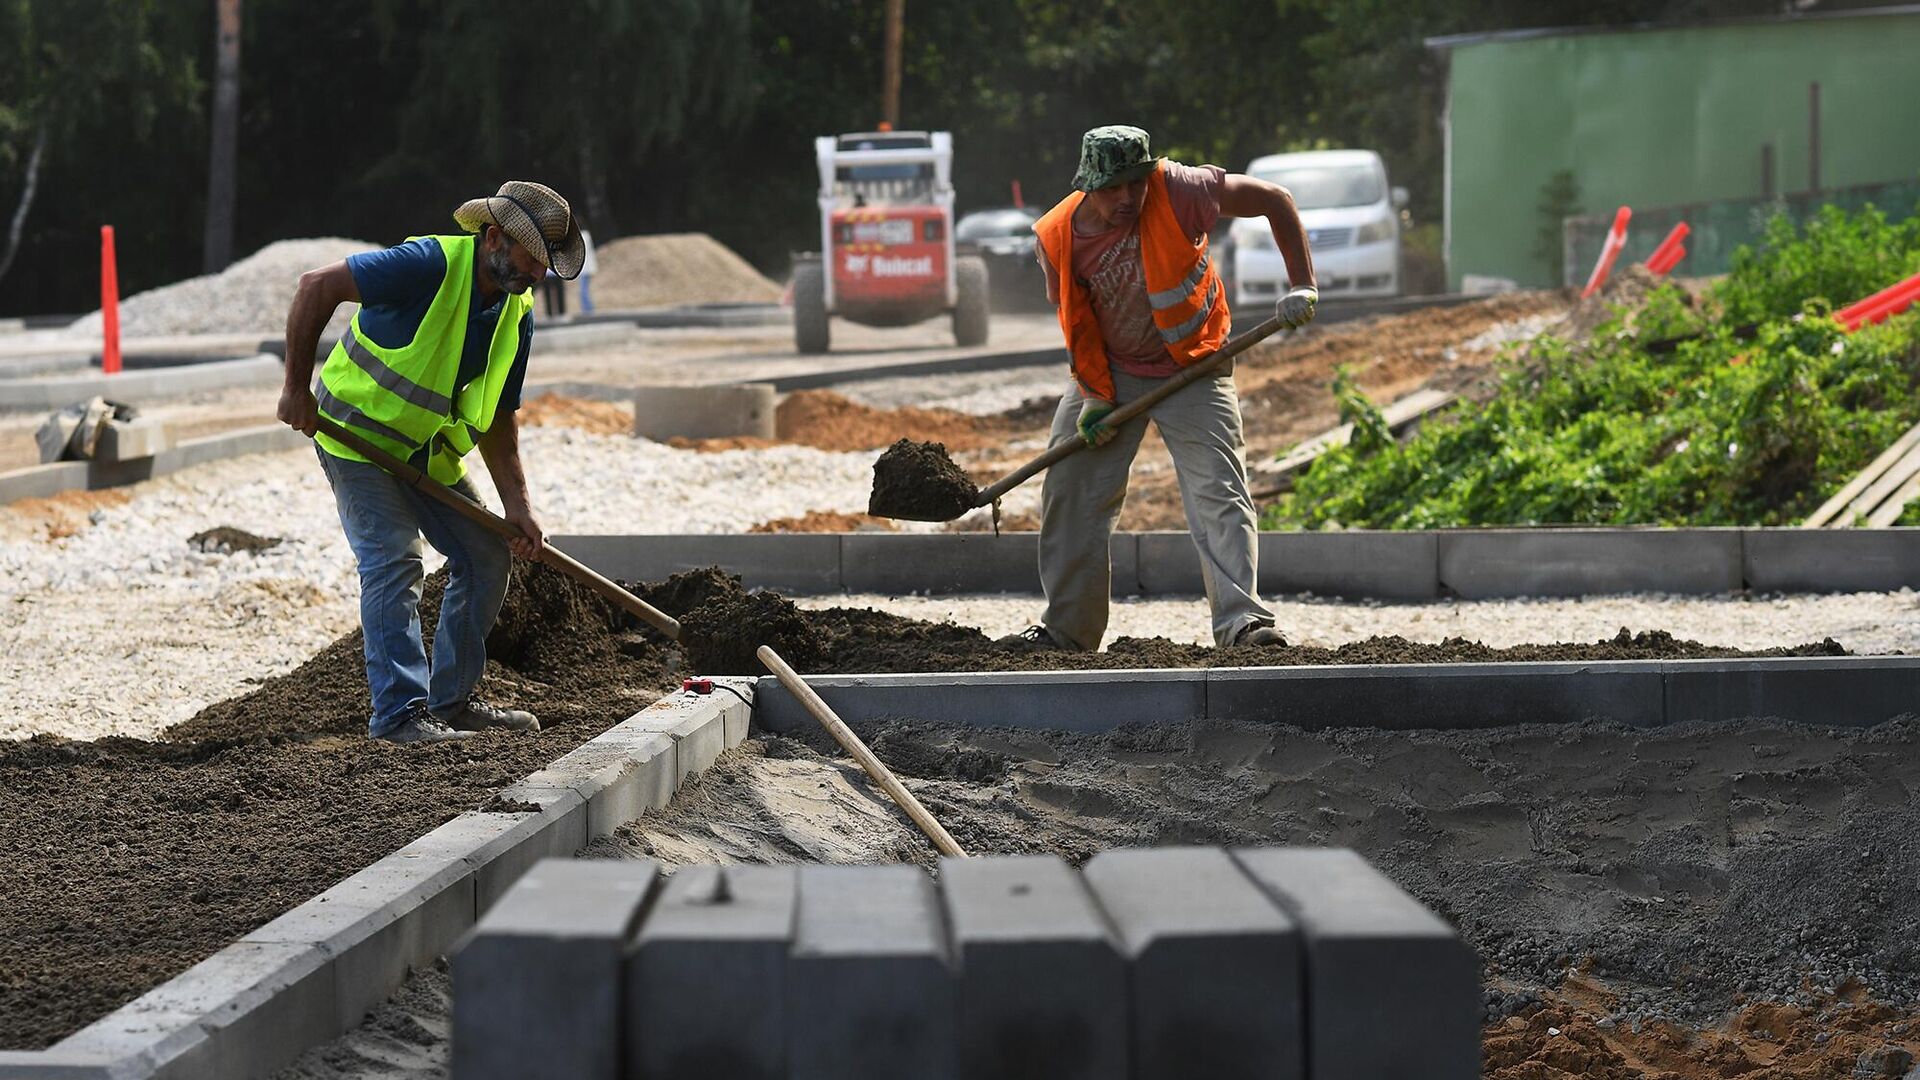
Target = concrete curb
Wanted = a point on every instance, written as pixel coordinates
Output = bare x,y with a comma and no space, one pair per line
42,481
1836,691
133,387
314,972
1403,566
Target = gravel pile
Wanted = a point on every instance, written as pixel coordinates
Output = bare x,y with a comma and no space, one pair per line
675,268
251,296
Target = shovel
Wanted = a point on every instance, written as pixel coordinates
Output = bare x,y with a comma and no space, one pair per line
480,515
901,487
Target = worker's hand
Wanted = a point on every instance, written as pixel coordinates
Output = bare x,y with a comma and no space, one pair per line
532,537
1296,308
1092,431
298,409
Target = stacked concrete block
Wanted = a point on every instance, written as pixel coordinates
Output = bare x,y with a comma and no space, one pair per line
536,989
1260,963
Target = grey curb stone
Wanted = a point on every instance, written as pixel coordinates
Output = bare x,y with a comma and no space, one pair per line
870,951
1053,700
54,1065
140,385
559,828
1843,691
806,563
1043,990
1832,560
697,724
1217,988
898,564
706,983
536,986
1484,563
1394,991
1395,696
1380,565
1169,565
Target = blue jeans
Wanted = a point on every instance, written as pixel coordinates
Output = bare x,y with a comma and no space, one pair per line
586,293
384,521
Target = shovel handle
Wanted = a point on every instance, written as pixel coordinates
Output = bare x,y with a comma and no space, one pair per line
487,519
1187,376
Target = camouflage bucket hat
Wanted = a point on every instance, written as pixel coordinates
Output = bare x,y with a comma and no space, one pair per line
1115,154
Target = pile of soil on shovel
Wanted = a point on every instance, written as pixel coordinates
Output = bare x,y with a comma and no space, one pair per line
129,861
917,481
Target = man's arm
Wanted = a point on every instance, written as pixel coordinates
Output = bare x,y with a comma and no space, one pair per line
1245,196
500,449
320,292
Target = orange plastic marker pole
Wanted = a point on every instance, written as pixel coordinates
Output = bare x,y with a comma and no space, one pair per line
1616,239
109,304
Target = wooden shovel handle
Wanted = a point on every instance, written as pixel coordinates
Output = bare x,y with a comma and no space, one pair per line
1187,376
480,515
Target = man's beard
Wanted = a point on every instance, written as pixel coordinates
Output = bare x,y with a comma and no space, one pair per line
505,274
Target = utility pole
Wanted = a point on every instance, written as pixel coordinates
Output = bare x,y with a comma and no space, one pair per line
890,89
217,251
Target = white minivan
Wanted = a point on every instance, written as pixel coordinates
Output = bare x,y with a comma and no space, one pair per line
1352,219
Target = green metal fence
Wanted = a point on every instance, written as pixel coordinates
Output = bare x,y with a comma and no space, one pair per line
1718,228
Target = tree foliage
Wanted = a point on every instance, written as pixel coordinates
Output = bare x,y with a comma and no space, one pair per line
375,120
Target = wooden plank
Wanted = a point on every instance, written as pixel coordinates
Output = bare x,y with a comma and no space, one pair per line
1825,516
1398,415
1880,490
1889,511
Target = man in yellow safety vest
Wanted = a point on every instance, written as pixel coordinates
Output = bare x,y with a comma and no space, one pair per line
431,367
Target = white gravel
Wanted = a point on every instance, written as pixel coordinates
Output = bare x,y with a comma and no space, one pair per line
980,393
123,628
250,296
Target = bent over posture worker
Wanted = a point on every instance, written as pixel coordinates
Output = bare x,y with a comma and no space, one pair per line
1139,298
430,367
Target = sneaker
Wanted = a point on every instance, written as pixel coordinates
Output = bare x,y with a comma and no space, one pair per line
421,727
1034,638
478,716
1260,635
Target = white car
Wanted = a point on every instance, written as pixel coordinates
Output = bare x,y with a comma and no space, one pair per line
1352,219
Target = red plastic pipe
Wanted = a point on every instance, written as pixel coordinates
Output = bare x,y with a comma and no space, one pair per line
1668,261
1898,288
1665,252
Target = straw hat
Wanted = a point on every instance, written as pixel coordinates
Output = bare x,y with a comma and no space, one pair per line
537,217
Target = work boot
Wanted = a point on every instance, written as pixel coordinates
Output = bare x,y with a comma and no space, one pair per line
478,716
1035,638
421,727
1257,634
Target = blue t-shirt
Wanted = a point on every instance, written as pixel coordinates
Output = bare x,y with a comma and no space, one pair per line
398,285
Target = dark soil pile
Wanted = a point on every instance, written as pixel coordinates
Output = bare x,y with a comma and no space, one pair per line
917,481
227,540
721,635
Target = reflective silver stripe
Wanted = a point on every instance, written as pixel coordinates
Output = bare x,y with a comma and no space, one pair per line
347,414
392,381
1166,298
1180,332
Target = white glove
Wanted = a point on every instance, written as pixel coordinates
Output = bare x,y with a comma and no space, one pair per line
1296,308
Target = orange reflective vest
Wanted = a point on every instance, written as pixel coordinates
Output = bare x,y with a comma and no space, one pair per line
1189,303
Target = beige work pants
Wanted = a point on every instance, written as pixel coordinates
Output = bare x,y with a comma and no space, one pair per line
1082,496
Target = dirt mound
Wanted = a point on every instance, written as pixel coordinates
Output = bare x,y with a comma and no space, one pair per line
917,481
721,635
557,649
595,417
828,421
819,521
675,268
227,540
1626,289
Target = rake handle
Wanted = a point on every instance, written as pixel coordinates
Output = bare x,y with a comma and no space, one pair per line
493,522
1187,376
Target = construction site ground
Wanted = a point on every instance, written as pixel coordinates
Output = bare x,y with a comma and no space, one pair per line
1709,901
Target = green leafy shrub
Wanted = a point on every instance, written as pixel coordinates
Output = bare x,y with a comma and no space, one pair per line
1720,430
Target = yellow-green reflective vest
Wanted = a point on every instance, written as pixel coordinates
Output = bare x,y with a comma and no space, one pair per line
401,399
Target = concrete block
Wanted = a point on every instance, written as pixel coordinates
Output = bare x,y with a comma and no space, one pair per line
537,985
1477,564
706,985
798,564
871,987
1083,701
504,846
1392,991
1168,565
1832,560
619,776
704,412
737,714
1217,984
126,440
245,1011
1043,990
1379,565
696,723
1410,696
382,921
54,1065
1843,691
42,481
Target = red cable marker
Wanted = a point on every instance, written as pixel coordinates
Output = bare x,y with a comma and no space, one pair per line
1671,250
1860,311
109,304
1616,239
